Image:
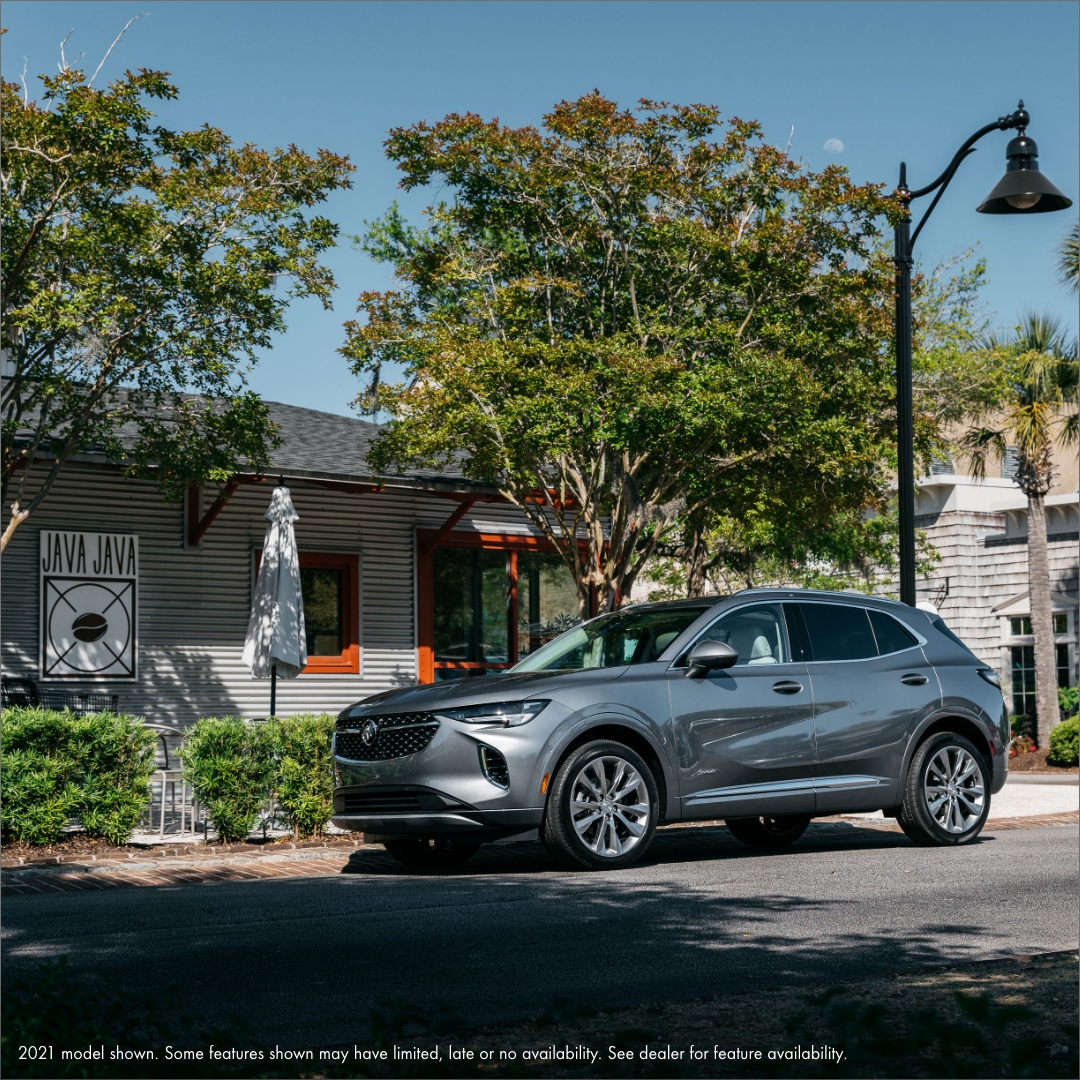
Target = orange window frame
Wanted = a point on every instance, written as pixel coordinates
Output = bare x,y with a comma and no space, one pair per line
425,588
348,662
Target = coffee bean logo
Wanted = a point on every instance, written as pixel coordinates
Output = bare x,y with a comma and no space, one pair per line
90,627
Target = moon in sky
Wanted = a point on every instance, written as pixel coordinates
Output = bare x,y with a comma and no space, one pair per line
834,146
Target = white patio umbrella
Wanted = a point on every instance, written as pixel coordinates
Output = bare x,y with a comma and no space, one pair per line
276,642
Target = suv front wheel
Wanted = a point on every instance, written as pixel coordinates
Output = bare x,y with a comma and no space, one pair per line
603,807
947,794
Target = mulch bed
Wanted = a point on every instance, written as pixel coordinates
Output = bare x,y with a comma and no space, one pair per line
1035,762
78,848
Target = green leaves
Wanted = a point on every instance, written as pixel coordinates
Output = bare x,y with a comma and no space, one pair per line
141,265
627,315
57,766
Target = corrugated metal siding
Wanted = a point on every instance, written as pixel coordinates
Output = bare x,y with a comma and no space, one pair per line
194,603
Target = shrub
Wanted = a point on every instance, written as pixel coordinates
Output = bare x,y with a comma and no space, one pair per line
1069,700
117,760
304,774
1065,742
230,767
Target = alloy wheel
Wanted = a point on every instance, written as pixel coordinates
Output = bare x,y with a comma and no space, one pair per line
609,802
953,789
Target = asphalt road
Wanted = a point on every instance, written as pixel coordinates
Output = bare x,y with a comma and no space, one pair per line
304,960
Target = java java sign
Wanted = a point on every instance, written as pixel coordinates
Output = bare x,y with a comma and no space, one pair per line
89,583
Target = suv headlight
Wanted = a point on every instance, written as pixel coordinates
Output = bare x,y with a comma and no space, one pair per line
505,713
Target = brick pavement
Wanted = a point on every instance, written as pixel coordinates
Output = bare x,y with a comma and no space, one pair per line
206,866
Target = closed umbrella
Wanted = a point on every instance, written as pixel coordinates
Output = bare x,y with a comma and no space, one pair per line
276,641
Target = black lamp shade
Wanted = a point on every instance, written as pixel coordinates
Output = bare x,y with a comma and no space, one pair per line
1023,189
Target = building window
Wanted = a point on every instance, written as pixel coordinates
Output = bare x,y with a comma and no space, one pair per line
1021,624
329,584
1023,676
487,601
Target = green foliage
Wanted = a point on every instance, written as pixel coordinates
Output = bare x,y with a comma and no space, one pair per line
57,766
304,773
117,760
624,318
1069,700
1065,742
230,767
141,265
1068,266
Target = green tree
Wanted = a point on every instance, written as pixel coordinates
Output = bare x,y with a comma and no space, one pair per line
142,270
1069,258
625,318
1038,410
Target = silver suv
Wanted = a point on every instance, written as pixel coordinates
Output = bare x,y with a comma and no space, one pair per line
765,708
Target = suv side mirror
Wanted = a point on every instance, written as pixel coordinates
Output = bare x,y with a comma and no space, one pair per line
708,656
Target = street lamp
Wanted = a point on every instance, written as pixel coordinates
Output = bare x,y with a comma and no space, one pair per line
1022,190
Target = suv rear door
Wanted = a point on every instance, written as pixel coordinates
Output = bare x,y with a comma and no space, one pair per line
871,685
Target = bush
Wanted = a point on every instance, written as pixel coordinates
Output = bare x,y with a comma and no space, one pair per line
1069,700
56,765
304,774
230,767
1065,742
117,760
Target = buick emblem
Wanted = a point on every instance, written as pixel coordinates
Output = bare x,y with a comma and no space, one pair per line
368,732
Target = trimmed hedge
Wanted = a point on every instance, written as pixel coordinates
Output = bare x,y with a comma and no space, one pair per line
304,780
56,766
229,765
1065,742
234,768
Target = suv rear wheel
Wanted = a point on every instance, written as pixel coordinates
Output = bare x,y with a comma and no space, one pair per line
946,794
603,807
768,832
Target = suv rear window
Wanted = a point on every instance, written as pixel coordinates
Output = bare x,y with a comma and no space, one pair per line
891,636
838,632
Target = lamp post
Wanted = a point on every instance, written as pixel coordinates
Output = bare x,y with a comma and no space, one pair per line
1022,190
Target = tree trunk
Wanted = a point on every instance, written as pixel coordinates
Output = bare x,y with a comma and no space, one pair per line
1042,621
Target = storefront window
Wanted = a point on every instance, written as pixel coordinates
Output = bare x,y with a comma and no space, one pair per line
471,616
485,603
322,592
547,600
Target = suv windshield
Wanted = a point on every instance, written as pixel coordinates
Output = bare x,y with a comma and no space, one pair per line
624,637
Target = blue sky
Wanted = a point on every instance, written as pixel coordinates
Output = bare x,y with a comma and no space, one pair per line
889,81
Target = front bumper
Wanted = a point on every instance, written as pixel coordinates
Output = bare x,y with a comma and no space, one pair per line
442,789
415,811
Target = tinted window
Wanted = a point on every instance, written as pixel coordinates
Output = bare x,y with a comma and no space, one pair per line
838,632
755,633
625,637
891,636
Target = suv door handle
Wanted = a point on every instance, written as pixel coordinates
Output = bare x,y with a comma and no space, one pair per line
913,679
787,687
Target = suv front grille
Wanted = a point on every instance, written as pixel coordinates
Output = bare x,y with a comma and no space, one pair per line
391,736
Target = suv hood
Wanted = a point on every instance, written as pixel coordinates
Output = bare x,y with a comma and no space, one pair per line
481,691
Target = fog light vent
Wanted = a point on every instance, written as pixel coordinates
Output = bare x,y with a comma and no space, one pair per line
493,766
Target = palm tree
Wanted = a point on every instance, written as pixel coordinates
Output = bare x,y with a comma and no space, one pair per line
1039,410
1069,258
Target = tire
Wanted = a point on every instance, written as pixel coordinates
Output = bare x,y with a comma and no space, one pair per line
431,855
946,793
602,809
768,832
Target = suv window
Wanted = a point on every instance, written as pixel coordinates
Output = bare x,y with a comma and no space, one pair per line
891,636
838,632
755,633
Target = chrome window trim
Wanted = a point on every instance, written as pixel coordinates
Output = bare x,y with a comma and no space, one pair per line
920,641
